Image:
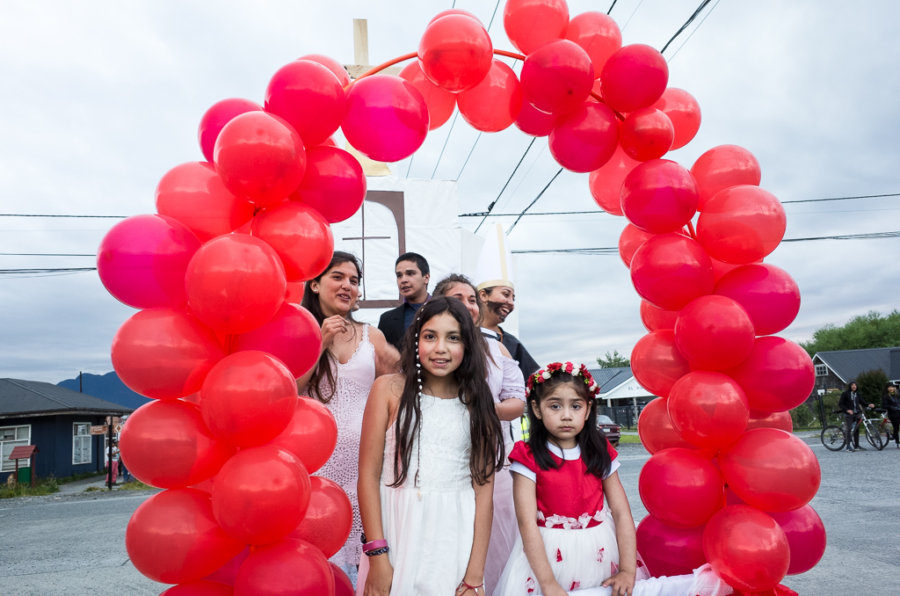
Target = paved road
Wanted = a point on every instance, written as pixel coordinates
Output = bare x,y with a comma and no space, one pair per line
73,543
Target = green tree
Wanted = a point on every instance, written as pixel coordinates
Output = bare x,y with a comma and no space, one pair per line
871,330
614,360
870,384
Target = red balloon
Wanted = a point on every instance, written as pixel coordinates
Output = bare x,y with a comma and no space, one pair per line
334,183
299,235
294,293
598,34
311,434
714,333
634,77
200,588
141,260
194,194
260,157
455,52
227,573
586,138
164,353
530,24
746,548
768,294
741,224
631,238
293,336
557,78
494,103
656,430
235,283
656,363
646,134
655,318
260,495
684,113
342,584
670,270
286,567
780,420
708,408
217,116
331,64
450,11
166,444
534,122
606,181
723,167
771,469
387,118
309,97
172,537
805,534
440,102
668,550
659,196
680,487
788,372
248,398
328,518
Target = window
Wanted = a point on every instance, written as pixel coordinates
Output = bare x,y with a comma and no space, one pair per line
12,436
821,370
81,443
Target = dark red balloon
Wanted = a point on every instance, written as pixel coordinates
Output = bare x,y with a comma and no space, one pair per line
708,408
455,52
200,588
668,550
293,336
681,488
535,122
634,77
805,534
714,333
309,96
659,196
557,78
780,420
216,117
342,584
767,293
646,134
299,235
787,370
334,183
670,270
586,138
328,519
287,567
311,434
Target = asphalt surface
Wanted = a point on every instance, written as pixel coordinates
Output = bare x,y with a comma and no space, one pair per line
73,542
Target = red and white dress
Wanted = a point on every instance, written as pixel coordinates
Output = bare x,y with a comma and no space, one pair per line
577,528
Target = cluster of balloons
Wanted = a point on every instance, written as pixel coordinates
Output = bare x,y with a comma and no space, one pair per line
219,338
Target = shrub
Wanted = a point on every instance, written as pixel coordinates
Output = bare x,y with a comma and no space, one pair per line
871,383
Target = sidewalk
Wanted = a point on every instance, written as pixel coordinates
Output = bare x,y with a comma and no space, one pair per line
97,483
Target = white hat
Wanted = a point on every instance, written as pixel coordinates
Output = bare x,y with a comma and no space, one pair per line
495,261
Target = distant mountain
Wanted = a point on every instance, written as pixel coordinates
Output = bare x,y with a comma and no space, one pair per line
108,387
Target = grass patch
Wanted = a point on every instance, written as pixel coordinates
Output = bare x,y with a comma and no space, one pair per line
44,486
630,439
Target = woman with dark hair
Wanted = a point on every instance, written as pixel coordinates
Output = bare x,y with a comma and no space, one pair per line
890,401
431,443
353,354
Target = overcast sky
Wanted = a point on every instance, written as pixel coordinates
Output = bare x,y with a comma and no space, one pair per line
100,99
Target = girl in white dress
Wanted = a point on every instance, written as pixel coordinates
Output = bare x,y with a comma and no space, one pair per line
430,445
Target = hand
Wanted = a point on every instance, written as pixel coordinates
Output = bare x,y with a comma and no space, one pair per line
381,575
622,583
332,326
850,412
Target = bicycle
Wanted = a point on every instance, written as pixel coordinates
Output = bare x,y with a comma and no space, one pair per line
834,439
885,428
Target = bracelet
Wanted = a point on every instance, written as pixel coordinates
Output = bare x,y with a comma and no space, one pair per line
468,587
375,544
377,551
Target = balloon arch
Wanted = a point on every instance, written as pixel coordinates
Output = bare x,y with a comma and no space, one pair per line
219,337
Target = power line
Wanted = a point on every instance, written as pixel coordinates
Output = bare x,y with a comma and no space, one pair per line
611,6
505,184
539,195
697,28
690,20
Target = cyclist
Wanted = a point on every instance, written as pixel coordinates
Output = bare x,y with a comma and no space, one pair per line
890,400
851,402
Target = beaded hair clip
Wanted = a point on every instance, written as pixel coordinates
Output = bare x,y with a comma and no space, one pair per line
553,368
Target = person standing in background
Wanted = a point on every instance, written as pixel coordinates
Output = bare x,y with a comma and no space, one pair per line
413,274
891,402
851,403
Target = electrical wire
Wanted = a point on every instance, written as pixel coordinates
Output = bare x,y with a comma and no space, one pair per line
690,20
688,38
505,184
611,6
535,200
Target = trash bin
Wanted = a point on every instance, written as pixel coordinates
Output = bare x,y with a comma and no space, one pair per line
24,476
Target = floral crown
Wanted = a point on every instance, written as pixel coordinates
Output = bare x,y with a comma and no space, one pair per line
559,367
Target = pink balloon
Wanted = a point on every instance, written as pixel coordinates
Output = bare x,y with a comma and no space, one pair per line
684,113
646,134
535,122
741,224
557,78
659,196
248,398
586,138
631,238
634,77
670,270
656,363
722,167
494,103
309,97
164,353
656,430
780,420
668,550
597,34
606,181
788,372
311,434
217,116
334,183
805,534
235,283
708,408
331,64
141,260
771,469
714,333
530,24
455,52
387,118
260,495
260,157
299,235
440,102
680,487
287,567
194,194
768,294
655,318
293,336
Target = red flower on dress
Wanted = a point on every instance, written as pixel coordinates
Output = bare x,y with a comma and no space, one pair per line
558,556
529,585
600,554
575,585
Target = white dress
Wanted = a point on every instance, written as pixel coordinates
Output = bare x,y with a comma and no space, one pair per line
354,380
429,524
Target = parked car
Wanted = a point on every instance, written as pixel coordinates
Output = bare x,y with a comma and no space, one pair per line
612,430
